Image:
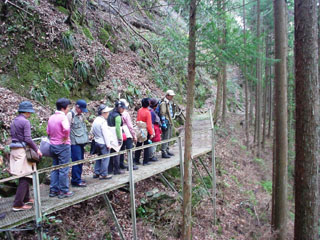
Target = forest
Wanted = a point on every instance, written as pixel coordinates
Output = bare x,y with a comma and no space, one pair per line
245,76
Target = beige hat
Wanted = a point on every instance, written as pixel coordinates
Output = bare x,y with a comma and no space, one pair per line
106,109
125,102
170,93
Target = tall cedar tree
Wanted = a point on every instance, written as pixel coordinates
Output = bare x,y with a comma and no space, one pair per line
281,118
187,178
307,111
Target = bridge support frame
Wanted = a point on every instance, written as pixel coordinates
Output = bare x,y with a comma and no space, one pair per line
37,204
132,194
113,214
213,159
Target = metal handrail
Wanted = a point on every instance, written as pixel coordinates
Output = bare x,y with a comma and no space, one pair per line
88,160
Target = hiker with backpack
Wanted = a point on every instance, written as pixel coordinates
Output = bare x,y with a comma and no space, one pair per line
144,121
156,127
19,165
129,133
115,123
79,138
102,141
166,117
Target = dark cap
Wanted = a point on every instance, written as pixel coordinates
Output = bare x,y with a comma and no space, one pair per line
82,105
153,102
120,104
26,106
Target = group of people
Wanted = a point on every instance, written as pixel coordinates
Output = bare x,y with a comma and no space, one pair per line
111,131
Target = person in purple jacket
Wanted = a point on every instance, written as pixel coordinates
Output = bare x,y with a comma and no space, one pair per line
19,165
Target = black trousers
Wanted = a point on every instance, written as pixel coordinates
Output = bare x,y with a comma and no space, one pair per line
22,194
114,164
145,153
128,144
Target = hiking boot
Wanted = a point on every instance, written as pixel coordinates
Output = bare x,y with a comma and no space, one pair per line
118,172
65,195
95,176
153,159
134,167
165,155
23,208
53,194
137,162
105,177
30,202
170,153
82,184
147,163
123,166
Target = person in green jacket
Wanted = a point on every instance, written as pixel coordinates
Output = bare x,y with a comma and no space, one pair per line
114,120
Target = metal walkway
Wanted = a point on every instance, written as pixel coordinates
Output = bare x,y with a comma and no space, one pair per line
46,205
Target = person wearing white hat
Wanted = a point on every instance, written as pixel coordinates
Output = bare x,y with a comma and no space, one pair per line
166,115
102,136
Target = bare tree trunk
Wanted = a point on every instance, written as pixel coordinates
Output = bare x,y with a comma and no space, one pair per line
217,107
187,178
281,121
224,70
245,78
270,104
307,112
259,76
265,92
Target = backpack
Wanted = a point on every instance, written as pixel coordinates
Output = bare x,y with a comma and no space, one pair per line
157,110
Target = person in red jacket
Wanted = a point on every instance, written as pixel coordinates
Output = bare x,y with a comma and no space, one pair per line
156,123
144,115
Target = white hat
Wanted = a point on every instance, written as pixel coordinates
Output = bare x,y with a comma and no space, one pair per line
170,93
106,109
125,102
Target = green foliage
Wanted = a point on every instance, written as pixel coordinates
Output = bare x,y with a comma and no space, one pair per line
82,69
63,10
86,31
104,36
267,186
68,40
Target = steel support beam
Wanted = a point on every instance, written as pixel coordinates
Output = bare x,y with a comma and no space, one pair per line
132,195
37,204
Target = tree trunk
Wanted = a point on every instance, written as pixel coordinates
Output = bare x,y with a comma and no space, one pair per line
281,121
245,78
307,110
187,178
265,92
258,74
224,70
270,104
216,114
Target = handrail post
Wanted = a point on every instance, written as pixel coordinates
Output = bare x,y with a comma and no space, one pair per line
37,204
181,162
213,156
132,195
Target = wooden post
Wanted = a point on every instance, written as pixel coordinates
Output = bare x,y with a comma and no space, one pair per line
181,162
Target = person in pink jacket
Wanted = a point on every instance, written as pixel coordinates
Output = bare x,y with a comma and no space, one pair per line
59,133
130,134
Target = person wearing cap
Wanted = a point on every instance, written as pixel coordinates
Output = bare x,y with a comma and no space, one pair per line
166,115
129,133
19,165
58,130
144,115
102,137
79,138
114,121
156,126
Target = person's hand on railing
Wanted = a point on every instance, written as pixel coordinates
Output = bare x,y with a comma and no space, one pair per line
152,136
39,153
119,142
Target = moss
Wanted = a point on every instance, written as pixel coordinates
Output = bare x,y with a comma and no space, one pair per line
104,36
39,75
63,10
87,33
